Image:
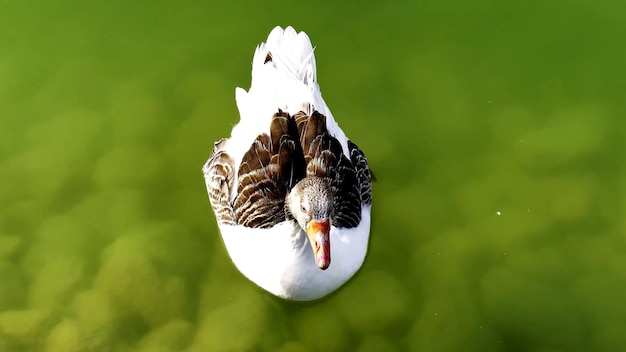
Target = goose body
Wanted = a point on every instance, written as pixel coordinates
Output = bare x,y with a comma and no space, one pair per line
291,193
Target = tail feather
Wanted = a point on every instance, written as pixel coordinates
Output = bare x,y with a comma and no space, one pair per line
283,78
288,52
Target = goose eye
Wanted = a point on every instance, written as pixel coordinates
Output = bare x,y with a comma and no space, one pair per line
303,208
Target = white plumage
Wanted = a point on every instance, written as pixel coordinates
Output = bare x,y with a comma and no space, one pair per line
290,271
279,258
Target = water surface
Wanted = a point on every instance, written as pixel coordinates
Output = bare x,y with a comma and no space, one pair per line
495,130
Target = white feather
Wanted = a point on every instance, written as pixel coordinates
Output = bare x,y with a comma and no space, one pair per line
288,82
280,259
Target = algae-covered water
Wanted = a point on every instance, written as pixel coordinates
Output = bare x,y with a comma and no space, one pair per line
495,129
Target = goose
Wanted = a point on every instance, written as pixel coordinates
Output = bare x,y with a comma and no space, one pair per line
291,193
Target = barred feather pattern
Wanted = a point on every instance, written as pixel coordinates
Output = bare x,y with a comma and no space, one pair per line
363,173
268,170
325,158
218,173
297,146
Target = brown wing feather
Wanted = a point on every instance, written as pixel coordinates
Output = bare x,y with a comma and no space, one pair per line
218,176
309,128
299,146
325,158
268,170
363,173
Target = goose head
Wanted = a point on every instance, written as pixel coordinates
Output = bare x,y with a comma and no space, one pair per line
310,202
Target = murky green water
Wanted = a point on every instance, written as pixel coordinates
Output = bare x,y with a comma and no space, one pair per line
495,130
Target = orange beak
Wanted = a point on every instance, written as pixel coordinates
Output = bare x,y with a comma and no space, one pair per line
319,235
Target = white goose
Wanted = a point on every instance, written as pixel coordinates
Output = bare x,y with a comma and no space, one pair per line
288,188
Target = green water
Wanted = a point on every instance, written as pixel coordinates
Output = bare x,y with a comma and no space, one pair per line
495,130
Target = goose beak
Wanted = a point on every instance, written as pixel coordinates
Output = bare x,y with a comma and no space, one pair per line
319,235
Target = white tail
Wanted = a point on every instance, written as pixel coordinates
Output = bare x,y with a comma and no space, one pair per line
283,77
287,52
